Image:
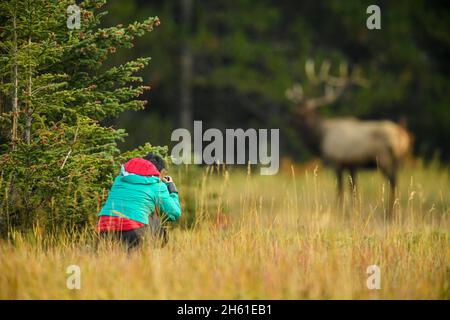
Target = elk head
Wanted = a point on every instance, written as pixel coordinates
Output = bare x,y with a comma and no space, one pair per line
306,120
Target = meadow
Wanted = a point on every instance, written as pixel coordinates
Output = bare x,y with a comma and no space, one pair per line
246,236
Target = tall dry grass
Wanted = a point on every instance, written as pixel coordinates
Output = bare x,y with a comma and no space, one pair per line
258,237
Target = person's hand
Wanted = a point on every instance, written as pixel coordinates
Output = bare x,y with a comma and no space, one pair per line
168,179
170,184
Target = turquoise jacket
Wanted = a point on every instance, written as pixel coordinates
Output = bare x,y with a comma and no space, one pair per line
134,197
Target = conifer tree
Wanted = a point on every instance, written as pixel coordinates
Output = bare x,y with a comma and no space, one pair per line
56,157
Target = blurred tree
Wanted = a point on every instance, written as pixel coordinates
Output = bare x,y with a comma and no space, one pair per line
186,116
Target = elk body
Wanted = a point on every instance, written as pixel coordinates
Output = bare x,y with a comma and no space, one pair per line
348,144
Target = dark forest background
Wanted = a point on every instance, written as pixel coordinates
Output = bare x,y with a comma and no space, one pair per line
229,63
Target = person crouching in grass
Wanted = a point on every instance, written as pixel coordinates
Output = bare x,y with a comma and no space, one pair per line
139,203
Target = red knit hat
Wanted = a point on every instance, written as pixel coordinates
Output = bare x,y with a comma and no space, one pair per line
141,167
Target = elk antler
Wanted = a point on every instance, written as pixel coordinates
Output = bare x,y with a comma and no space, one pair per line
334,86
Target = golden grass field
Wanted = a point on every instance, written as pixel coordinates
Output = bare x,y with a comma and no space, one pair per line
259,237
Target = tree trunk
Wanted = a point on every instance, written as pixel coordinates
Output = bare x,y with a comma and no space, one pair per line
28,110
186,118
15,99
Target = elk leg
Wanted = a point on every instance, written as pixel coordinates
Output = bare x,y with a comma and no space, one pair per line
392,182
388,166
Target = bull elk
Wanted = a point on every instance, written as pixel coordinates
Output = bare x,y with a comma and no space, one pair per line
347,143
